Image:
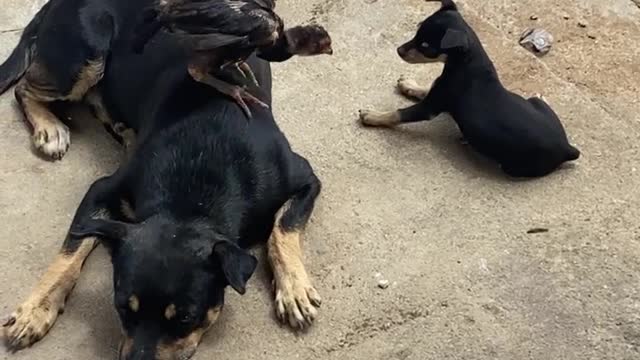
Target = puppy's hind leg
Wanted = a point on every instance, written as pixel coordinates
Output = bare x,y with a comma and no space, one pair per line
296,299
36,315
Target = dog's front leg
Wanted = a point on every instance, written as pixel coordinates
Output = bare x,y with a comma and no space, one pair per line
429,107
410,88
33,319
419,112
296,298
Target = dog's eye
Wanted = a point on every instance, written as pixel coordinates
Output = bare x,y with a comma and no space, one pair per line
424,45
185,318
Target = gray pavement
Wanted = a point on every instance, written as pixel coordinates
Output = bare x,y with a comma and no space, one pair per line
444,227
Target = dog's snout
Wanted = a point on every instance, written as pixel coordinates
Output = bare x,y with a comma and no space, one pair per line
402,51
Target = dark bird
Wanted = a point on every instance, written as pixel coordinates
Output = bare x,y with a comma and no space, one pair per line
222,34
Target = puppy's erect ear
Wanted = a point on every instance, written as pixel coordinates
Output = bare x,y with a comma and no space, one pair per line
446,4
453,39
237,264
107,230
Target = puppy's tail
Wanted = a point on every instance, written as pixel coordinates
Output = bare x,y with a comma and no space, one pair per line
20,59
572,153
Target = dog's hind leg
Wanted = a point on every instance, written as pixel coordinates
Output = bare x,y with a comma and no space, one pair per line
35,316
296,299
38,89
118,130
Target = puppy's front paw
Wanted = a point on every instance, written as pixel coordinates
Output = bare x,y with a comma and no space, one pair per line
409,87
296,300
376,118
52,139
29,323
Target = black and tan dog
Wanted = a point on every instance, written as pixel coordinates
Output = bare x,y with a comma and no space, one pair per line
524,136
201,186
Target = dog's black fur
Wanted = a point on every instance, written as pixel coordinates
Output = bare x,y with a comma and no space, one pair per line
203,184
524,136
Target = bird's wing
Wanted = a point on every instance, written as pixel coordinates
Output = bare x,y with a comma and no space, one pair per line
204,42
267,4
205,17
216,23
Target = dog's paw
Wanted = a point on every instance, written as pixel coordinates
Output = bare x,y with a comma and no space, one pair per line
408,87
29,323
376,118
52,139
296,300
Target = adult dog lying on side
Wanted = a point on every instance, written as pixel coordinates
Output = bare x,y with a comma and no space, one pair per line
201,185
524,136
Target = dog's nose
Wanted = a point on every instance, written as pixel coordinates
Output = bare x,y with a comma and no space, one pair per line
402,51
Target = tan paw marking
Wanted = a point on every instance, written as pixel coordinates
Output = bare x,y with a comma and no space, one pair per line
296,300
377,118
410,88
29,323
52,139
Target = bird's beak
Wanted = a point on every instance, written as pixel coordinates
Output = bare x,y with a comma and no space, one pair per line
328,50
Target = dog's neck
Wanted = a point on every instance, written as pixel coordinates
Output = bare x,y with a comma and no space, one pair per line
474,60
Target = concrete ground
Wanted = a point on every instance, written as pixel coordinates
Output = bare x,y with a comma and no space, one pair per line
445,228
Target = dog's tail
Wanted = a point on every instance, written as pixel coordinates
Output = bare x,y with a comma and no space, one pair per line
572,153
20,59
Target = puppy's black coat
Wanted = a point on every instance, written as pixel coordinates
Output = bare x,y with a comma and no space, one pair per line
524,136
201,186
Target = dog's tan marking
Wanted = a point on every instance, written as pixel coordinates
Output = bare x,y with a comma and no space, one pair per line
33,319
94,99
296,298
170,312
408,87
34,92
182,348
134,303
185,348
413,56
127,210
50,135
125,346
377,118
89,76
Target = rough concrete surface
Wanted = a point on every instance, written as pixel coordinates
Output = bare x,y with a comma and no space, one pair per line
444,227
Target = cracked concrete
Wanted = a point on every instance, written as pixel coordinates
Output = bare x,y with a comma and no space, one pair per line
444,227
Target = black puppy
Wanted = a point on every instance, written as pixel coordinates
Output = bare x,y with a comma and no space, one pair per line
199,188
524,136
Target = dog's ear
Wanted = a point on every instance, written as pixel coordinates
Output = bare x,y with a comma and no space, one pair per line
237,264
108,231
446,4
453,39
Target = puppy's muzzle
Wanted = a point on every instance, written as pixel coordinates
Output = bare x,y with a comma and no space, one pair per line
403,50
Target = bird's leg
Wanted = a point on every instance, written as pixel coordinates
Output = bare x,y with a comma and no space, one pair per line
245,69
238,93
